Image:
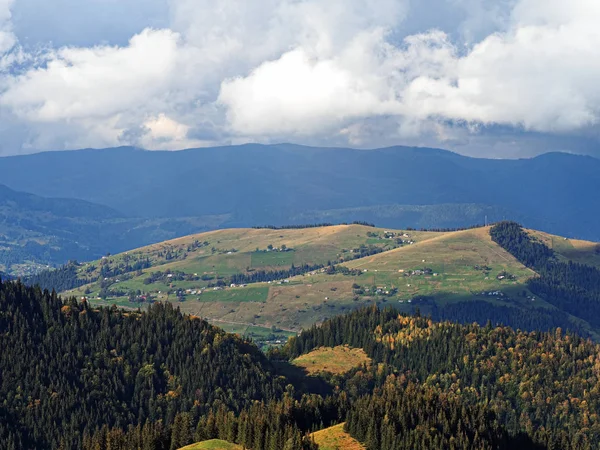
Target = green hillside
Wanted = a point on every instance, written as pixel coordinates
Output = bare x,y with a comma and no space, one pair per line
270,283
196,271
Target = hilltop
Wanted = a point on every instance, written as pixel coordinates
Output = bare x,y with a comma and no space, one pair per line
270,283
231,276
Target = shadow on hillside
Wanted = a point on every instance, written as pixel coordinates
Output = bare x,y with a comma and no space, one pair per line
302,381
522,442
511,306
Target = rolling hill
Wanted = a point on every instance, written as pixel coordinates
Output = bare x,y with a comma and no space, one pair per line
255,184
270,283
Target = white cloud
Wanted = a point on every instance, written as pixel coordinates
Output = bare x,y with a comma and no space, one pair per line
538,74
162,132
335,72
100,81
303,94
7,38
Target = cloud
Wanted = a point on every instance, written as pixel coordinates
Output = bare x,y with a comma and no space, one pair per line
302,94
539,74
78,83
356,72
7,38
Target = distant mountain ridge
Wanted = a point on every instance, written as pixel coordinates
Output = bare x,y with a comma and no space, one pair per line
38,231
67,207
259,184
57,206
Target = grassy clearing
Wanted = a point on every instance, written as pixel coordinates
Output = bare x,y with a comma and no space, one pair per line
261,260
286,306
336,360
240,295
220,264
453,258
213,444
335,438
584,252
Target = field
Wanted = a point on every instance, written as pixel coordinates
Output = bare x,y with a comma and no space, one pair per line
424,267
213,444
188,266
335,360
461,263
335,438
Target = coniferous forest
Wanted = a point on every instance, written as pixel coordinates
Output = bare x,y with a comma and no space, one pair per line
77,376
570,286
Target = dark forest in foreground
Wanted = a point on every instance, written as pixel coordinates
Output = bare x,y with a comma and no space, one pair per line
74,376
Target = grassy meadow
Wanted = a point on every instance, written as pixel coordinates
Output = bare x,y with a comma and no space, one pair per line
336,360
335,438
213,444
444,267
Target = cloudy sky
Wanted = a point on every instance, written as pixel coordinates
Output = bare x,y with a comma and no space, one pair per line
499,78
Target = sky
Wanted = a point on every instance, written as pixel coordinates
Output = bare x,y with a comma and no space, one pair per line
488,78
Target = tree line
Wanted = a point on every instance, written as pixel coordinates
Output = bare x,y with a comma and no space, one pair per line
570,286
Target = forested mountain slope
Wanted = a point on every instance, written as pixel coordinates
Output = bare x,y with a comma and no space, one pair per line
445,385
570,286
74,376
68,369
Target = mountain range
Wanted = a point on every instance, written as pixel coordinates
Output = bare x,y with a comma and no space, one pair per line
254,184
36,232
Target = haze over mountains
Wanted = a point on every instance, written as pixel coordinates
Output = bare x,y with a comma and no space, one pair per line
193,190
37,231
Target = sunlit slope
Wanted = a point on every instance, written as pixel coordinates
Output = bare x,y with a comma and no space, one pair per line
227,251
189,268
584,252
213,444
335,438
426,269
461,262
336,360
